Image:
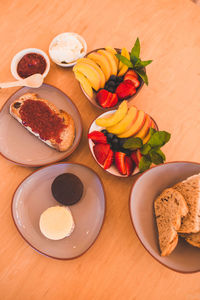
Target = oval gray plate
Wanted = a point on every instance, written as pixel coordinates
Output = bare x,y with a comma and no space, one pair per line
33,196
20,146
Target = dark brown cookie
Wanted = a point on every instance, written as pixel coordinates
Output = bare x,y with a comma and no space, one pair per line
67,189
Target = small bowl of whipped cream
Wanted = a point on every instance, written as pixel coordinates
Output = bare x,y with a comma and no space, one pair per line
66,48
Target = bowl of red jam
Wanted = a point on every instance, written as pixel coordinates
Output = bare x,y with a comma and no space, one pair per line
28,62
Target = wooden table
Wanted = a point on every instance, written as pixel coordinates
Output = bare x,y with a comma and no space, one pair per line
117,266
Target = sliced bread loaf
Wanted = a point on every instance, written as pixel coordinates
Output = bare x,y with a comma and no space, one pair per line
192,238
190,189
169,207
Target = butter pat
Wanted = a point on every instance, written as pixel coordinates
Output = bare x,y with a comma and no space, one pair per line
66,48
56,222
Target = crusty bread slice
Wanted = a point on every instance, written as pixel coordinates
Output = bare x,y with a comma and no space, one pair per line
190,189
67,134
192,238
170,207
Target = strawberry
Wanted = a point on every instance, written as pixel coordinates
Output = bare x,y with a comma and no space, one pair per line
125,89
109,160
113,100
124,163
97,137
120,162
136,156
101,152
102,96
106,99
130,165
132,75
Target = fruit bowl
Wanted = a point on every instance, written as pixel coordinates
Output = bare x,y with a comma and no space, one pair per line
103,144
98,66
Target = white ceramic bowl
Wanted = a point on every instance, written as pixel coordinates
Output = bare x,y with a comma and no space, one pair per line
20,54
185,258
80,38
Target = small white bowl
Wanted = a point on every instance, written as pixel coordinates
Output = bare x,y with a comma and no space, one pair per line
20,54
80,38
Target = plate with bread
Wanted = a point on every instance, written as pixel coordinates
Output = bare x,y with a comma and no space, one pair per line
165,212
39,126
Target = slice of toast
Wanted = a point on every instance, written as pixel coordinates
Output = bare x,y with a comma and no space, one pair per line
51,125
190,189
192,238
170,207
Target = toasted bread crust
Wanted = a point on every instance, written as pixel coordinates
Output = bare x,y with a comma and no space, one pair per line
190,189
68,133
170,207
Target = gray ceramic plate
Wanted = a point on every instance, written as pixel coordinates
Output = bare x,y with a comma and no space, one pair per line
33,196
20,146
185,258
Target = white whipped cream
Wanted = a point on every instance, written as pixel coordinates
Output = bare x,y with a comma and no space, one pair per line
66,48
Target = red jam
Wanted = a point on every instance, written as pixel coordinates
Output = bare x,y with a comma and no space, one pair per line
38,116
30,64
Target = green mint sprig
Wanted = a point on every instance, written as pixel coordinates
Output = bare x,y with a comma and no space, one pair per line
135,62
150,151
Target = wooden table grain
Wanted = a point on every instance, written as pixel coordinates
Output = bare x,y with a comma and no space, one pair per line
116,266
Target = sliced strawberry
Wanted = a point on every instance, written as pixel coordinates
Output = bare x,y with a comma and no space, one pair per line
125,89
109,160
130,165
134,80
131,73
136,156
113,100
102,96
120,162
101,152
97,137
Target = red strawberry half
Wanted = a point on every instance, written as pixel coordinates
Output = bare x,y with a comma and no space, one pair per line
125,89
97,137
101,152
136,156
109,160
124,163
132,75
106,99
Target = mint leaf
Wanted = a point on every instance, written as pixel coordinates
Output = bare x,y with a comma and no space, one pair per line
142,64
144,164
160,153
156,158
159,138
133,143
124,60
135,52
152,131
145,149
143,75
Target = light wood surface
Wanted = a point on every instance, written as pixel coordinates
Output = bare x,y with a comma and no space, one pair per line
117,266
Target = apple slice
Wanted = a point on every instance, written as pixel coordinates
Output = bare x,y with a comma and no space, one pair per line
89,72
125,123
115,117
147,137
97,68
144,130
136,125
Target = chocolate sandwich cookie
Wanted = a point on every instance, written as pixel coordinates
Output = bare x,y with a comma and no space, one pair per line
67,189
